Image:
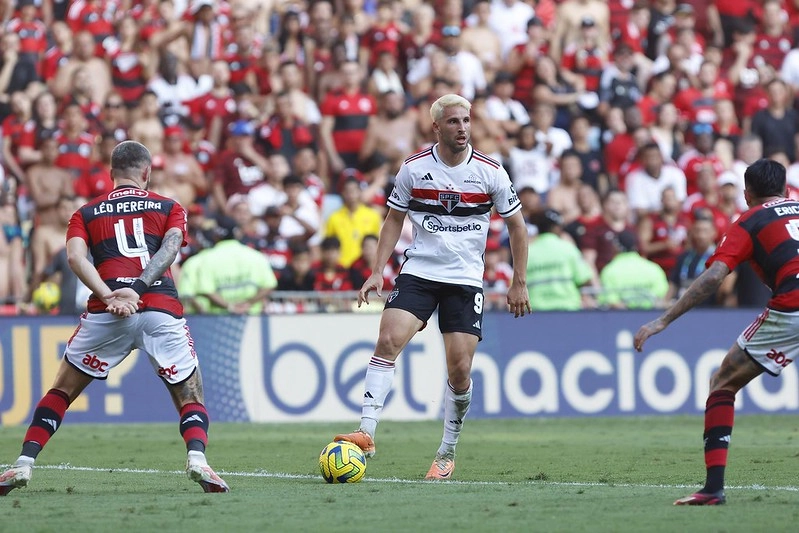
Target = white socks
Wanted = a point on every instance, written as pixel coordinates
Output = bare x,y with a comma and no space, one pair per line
379,378
24,460
197,458
455,408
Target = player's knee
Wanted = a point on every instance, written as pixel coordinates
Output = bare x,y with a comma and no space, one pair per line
459,374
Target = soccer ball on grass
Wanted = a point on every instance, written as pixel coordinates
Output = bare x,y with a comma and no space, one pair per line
342,462
46,296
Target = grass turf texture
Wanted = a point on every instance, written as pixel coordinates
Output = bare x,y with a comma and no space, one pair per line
601,474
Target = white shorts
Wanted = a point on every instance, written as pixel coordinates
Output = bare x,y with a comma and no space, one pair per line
102,341
772,340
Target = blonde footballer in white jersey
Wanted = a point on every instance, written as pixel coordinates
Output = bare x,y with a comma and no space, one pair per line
447,191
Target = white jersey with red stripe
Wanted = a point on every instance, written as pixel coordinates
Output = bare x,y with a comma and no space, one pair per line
450,209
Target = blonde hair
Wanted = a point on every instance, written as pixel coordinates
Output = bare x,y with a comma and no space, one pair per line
448,100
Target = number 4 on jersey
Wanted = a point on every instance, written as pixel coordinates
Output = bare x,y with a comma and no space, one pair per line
140,250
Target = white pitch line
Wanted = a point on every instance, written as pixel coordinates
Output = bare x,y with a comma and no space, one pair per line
281,475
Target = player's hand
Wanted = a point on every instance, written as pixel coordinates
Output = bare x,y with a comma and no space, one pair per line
374,283
646,331
123,302
519,300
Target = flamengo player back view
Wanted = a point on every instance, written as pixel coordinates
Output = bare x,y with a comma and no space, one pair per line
766,235
134,236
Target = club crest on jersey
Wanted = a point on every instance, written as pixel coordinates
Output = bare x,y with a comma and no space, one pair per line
449,200
393,294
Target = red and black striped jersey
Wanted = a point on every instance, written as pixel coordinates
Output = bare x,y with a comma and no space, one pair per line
351,113
123,230
768,237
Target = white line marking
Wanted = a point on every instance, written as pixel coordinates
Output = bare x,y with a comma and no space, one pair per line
281,475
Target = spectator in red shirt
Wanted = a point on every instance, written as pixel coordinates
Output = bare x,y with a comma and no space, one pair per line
97,180
284,132
329,275
705,202
384,35
621,145
635,29
661,235
522,60
413,44
773,41
32,32
75,144
218,107
58,54
45,121
586,57
132,63
662,87
95,17
16,126
746,74
242,56
697,103
345,116
204,152
240,168
701,155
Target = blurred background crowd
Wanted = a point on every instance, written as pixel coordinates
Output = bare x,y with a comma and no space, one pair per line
279,125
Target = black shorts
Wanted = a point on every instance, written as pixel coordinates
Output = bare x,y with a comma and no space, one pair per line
460,307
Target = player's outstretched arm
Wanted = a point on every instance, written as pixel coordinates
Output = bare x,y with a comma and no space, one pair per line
702,287
518,296
389,235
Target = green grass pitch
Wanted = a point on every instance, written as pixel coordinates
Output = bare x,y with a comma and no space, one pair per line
581,474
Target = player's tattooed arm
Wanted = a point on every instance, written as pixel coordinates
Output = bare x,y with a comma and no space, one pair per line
703,287
164,257
706,285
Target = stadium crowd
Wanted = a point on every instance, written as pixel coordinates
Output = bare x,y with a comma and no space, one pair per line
625,126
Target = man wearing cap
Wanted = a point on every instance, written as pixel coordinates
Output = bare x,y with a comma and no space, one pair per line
586,56
240,168
568,23
701,155
555,268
